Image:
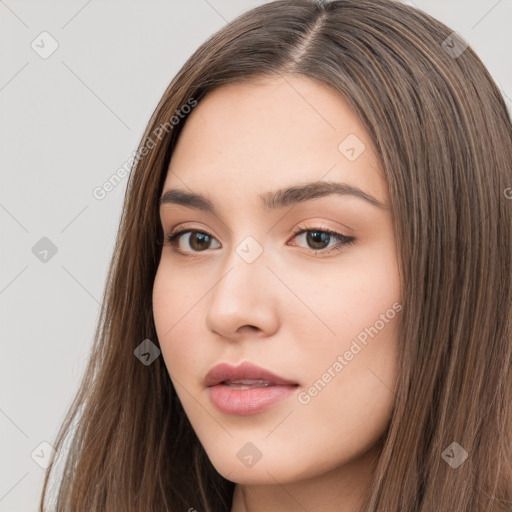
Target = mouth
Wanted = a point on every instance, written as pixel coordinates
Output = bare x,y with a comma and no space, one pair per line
247,374
246,389
247,384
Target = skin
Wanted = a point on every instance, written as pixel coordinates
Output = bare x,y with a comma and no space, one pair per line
292,310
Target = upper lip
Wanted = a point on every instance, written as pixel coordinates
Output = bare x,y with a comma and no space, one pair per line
247,371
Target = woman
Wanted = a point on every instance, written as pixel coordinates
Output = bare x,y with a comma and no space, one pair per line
308,307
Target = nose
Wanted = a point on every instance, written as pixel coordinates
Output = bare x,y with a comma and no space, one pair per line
244,298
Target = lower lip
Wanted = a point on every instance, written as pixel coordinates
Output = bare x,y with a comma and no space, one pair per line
243,402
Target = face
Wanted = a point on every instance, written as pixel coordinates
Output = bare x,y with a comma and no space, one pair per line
303,284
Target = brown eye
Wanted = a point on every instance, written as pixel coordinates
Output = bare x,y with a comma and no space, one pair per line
317,240
198,241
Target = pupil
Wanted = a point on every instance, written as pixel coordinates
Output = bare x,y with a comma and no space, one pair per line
202,237
318,237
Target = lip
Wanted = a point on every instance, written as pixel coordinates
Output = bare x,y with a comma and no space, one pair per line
244,402
224,371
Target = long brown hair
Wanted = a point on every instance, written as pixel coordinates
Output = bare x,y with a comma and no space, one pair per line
444,136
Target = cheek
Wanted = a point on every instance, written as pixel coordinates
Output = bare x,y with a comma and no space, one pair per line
164,290
348,296
176,293
173,299
349,392
354,364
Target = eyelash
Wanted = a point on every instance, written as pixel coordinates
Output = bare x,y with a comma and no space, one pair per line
344,240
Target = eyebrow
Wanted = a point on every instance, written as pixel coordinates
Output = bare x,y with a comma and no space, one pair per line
276,199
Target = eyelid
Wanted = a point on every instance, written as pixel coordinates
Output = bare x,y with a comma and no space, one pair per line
182,228
316,225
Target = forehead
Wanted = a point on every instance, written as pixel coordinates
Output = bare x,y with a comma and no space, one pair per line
269,133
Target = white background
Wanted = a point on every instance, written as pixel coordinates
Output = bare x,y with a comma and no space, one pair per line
68,122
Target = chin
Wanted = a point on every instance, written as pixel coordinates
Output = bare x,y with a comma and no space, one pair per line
264,471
